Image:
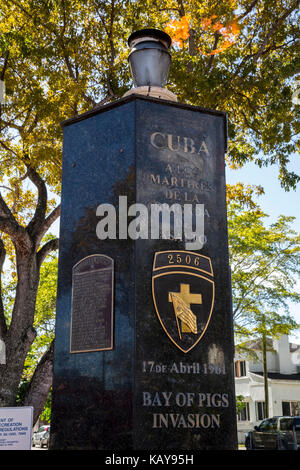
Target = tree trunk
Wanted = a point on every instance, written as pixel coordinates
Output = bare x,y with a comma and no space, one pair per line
40,384
21,334
11,372
18,339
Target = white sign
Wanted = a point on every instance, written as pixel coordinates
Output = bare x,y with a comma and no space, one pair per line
16,428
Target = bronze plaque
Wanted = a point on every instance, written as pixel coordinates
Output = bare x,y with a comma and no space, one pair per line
92,304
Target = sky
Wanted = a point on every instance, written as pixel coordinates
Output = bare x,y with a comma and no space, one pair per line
274,202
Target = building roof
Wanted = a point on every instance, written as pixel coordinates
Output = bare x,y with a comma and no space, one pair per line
294,347
256,344
278,376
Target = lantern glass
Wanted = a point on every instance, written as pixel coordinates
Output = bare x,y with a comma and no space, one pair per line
149,58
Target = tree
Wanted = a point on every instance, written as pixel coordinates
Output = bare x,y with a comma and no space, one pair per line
224,56
59,58
19,333
48,59
265,267
37,381
240,404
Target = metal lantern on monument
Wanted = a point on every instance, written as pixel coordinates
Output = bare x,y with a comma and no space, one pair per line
149,62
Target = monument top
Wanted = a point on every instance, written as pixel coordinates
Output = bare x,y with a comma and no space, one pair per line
149,62
132,97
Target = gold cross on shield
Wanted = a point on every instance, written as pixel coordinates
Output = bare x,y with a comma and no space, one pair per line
188,298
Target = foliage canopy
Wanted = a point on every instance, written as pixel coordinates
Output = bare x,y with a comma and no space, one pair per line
61,57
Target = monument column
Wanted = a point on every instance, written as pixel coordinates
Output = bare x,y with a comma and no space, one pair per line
144,338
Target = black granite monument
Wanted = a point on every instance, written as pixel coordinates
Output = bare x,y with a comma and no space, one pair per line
144,341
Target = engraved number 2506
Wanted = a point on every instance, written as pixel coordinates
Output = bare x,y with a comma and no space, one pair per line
186,259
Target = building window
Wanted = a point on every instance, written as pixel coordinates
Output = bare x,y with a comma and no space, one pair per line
240,368
260,410
244,415
290,408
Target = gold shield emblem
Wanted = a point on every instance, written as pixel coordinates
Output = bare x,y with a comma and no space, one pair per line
183,291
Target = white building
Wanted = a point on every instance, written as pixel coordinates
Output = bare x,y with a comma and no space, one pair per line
283,364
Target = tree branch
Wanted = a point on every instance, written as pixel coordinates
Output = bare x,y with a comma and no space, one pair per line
8,223
181,8
109,33
15,118
40,384
87,98
2,75
274,29
36,223
112,49
105,100
6,147
52,217
210,62
262,49
11,124
263,278
272,47
14,2
248,10
51,245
